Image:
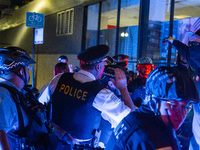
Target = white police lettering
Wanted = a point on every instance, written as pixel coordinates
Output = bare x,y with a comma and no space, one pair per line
74,92
120,131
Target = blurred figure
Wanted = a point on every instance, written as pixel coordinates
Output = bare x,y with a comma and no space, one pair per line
192,55
121,60
76,69
169,98
109,61
60,68
63,59
137,86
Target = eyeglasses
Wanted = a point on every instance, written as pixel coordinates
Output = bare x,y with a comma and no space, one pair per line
175,105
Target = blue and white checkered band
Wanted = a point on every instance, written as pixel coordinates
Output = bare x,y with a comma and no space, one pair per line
12,65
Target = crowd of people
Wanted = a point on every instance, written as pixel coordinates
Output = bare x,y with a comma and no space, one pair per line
101,104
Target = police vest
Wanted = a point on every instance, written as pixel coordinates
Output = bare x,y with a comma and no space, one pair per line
72,107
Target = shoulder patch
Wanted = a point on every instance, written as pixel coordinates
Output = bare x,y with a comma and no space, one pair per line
121,130
115,98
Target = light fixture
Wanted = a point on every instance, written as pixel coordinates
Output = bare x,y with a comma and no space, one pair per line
124,34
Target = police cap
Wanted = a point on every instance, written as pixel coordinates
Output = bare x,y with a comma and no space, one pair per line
93,55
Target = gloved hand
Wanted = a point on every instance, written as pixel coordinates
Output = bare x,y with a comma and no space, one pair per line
168,40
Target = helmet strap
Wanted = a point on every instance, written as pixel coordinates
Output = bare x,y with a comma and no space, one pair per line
169,120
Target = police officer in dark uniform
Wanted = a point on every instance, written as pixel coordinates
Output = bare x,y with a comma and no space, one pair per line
170,94
80,100
137,86
191,53
22,117
121,60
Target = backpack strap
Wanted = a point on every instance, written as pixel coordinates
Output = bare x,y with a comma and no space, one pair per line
15,95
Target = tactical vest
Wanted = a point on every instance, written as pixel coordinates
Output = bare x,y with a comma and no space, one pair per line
34,136
72,106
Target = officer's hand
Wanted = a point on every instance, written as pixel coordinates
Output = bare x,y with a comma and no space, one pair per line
168,40
120,79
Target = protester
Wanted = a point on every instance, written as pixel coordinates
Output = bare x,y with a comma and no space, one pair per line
79,100
169,95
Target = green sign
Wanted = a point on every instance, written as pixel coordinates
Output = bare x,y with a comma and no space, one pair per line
34,20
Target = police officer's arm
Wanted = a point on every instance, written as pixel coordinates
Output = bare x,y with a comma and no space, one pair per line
121,83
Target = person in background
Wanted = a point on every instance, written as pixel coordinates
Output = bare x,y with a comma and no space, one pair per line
137,86
22,118
59,68
169,98
63,59
121,60
76,96
191,53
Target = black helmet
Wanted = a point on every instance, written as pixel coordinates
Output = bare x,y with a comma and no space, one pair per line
171,83
13,57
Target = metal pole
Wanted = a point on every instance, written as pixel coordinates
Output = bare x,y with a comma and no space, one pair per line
170,31
117,29
99,23
33,57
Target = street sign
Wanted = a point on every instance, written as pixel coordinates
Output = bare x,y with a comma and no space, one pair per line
34,20
39,36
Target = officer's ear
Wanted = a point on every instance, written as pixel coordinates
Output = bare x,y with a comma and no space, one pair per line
21,71
97,67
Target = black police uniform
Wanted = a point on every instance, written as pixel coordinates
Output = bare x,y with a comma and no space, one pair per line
141,129
72,106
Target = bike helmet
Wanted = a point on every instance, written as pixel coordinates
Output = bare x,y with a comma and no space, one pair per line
13,57
171,83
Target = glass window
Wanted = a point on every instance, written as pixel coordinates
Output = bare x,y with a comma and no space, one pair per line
92,25
109,24
128,31
158,29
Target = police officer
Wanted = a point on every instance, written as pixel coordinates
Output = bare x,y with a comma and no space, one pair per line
22,118
191,54
170,94
79,100
137,86
121,60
